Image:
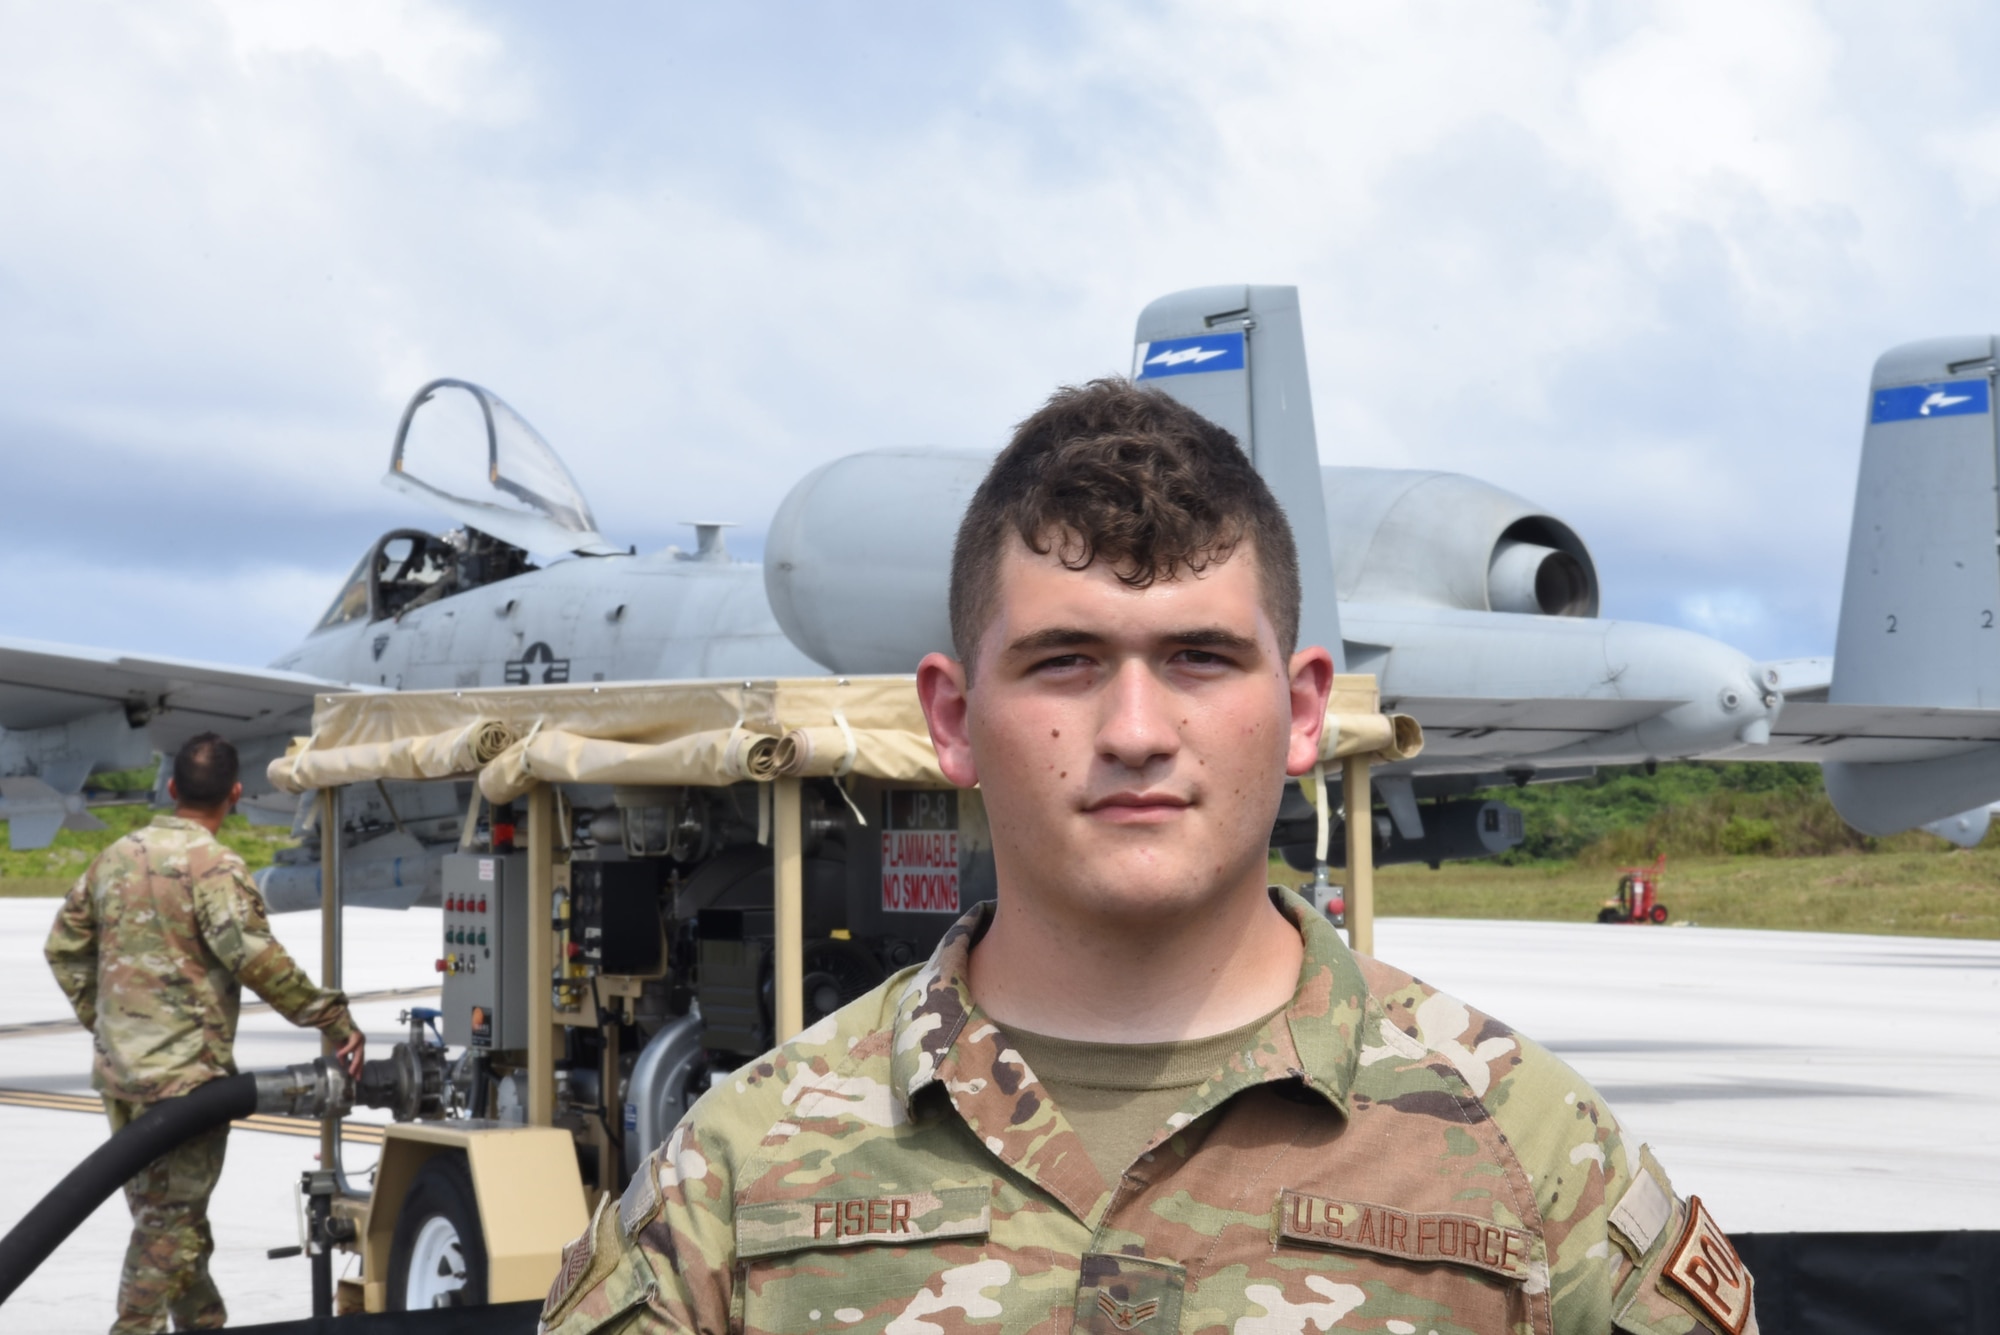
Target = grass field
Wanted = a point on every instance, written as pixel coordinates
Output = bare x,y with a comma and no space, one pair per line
1953,893
52,870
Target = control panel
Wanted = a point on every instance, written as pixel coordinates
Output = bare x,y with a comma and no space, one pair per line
614,918
484,953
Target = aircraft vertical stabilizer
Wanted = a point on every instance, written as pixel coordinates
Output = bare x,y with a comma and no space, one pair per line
1919,608
1237,356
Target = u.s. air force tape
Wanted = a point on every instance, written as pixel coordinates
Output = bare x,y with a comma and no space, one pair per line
1364,1226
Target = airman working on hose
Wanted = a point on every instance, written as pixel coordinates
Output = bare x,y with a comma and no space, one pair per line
1141,1091
153,946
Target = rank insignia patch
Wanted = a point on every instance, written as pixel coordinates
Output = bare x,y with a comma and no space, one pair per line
1130,1295
1127,1315
1705,1267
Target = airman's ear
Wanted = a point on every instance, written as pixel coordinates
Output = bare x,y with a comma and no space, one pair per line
942,690
173,791
1311,688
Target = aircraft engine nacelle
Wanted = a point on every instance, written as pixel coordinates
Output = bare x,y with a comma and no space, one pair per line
858,562
1405,536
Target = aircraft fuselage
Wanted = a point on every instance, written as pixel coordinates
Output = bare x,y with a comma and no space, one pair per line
584,619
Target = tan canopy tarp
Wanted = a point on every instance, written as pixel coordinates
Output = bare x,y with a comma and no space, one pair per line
684,732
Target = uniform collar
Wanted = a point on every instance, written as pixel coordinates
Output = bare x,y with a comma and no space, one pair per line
166,820
941,1037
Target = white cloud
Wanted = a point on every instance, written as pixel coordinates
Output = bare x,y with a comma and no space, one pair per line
435,53
244,616
1724,614
1631,262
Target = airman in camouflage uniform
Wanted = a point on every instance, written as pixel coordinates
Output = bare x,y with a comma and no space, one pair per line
1379,1157
153,946
1354,1149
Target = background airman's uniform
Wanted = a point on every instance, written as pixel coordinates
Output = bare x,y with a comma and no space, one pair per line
1376,1155
152,946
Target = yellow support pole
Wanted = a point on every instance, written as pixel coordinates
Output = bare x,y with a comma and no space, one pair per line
329,940
1360,854
542,1035
788,855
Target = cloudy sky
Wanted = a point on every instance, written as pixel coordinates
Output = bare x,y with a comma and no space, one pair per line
1632,260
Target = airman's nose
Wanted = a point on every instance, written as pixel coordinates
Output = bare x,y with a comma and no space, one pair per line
1138,723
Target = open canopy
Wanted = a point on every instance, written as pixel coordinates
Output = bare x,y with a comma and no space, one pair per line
462,448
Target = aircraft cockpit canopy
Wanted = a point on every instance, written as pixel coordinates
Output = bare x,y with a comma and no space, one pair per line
408,568
461,448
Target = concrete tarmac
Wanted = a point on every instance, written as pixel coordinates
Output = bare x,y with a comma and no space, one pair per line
1794,1081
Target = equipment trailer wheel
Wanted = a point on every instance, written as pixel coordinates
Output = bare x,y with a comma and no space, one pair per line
1659,913
1609,914
438,1255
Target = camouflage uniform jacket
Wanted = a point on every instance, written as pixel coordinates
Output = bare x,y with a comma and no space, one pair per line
1379,1157
152,946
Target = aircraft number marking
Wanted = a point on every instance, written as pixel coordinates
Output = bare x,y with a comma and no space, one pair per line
1892,624
1986,620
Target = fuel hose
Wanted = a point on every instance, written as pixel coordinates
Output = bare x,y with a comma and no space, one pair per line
303,1090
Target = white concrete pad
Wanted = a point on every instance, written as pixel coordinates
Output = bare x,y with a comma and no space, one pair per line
1795,1081
254,1208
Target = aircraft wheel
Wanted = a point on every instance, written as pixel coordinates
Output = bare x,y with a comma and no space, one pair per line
438,1255
1659,913
1608,915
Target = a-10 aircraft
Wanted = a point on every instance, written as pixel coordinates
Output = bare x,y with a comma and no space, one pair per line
1476,609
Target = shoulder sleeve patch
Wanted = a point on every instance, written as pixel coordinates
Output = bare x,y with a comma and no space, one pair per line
641,1200
1705,1266
1644,1211
587,1263
575,1265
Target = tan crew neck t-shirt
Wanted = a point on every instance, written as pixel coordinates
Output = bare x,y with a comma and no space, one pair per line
1119,1095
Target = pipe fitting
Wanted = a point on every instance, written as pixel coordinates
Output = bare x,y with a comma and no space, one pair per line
307,1089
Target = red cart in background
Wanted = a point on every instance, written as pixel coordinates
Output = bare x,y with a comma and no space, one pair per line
1638,896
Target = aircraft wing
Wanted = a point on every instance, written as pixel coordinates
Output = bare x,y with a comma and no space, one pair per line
1809,728
43,685
1458,728
1872,734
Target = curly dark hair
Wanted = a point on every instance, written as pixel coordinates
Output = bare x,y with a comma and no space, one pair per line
1133,477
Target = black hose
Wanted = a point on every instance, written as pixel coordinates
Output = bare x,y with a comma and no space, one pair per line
166,1124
